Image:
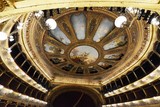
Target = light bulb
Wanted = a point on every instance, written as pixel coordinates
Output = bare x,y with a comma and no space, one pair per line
113,105
152,74
9,50
19,94
120,21
20,25
156,98
51,23
45,102
11,38
132,10
10,91
10,59
135,102
127,103
145,100
155,21
106,95
144,80
1,87
3,36
29,79
127,87
26,97
39,13
135,83
120,104
23,74
16,67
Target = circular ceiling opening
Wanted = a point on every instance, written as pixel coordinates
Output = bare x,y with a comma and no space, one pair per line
84,55
73,99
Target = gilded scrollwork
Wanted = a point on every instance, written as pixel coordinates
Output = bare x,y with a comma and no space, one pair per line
66,48
2,5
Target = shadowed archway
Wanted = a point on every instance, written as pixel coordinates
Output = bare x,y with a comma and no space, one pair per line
73,99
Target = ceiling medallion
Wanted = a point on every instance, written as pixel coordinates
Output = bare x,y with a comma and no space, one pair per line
85,43
84,55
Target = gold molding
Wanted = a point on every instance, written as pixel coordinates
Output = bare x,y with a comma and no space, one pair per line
30,5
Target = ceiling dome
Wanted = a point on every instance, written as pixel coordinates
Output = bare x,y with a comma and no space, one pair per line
84,43
79,53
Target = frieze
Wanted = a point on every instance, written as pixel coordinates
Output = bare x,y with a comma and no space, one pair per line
28,41
145,40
